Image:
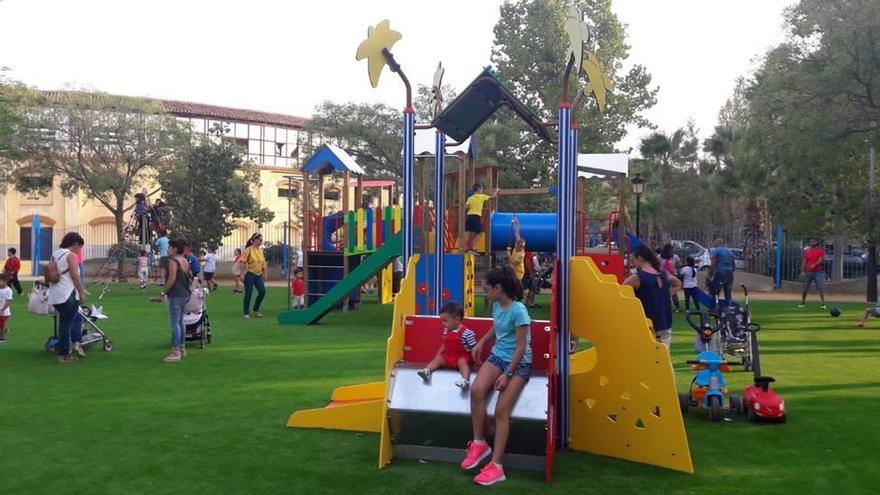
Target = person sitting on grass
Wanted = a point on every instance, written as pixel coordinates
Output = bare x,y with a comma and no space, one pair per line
507,370
872,311
455,348
5,313
473,224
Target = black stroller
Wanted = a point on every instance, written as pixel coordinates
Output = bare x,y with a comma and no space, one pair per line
734,335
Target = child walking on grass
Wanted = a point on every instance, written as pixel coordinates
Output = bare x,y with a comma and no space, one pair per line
506,371
455,349
143,268
5,312
236,271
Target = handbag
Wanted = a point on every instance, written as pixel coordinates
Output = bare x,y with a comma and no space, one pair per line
38,300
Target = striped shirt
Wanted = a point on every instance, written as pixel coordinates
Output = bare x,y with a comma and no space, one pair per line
467,338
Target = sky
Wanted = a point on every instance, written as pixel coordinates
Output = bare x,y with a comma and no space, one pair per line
288,56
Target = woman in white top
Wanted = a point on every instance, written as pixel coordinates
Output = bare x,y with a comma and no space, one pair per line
67,295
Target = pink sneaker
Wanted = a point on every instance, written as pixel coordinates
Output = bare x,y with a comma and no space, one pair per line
475,455
490,474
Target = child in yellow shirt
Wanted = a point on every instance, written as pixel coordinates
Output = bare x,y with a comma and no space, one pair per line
473,224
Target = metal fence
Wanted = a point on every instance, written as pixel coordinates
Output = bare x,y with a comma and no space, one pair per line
761,252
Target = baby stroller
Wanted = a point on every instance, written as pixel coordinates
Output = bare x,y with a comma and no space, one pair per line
195,317
92,333
734,335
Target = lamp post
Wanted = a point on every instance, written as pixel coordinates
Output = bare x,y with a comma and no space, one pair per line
638,183
287,233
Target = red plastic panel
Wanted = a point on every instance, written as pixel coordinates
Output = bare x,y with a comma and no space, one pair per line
424,333
612,264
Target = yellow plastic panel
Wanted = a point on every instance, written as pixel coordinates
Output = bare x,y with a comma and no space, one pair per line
351,416
387,285
626,404
365,391
469,285
359,229
404,305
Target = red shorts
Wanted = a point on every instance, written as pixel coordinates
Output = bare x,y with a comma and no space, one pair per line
3,320
450,359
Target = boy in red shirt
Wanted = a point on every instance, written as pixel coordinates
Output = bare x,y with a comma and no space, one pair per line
298,289
11,269
814,272
455,348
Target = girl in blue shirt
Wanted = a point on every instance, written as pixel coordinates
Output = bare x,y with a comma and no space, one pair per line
507,370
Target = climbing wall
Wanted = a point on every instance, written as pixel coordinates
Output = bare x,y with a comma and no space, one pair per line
624,401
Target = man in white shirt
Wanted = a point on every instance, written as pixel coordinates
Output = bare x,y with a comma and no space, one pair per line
5,301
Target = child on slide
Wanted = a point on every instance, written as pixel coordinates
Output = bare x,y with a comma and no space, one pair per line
455,350
506,371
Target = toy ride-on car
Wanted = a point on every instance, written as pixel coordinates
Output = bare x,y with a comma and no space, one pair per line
760,402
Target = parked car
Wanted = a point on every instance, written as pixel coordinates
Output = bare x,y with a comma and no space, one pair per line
684,249
739,260
854,265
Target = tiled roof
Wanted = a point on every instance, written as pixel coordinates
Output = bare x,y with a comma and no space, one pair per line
189,109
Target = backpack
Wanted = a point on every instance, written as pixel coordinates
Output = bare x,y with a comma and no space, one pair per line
51,274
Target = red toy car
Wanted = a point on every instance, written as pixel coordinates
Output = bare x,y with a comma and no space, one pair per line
760,402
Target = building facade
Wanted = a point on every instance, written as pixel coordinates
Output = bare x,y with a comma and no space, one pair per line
275,144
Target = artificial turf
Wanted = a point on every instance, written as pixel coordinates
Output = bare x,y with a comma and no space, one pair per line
125,422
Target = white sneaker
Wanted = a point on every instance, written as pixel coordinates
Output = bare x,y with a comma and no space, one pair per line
462,384
425,374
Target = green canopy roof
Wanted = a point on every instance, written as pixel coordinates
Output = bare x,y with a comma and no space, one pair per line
478,102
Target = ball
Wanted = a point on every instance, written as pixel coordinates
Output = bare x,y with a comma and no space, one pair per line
835,312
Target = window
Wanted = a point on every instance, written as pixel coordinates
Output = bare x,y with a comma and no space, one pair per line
283,193
35,183
279,149
332,194
240,144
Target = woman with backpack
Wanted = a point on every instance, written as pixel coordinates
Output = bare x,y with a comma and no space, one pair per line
66,293
178,287
670,262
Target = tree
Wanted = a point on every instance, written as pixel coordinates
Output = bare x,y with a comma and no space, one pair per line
812,118
371,133
530,52
103,146
207,188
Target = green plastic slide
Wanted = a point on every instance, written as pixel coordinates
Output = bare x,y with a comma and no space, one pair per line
368,268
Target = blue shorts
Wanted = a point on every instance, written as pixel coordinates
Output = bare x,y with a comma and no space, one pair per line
523,370
876,312
816,277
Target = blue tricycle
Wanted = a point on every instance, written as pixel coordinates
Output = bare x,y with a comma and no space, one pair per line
708,387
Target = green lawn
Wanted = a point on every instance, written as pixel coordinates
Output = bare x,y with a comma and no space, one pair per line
124,422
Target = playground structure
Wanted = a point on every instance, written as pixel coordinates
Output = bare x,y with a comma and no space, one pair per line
617,398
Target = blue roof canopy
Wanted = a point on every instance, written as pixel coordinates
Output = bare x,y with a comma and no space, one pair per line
330,159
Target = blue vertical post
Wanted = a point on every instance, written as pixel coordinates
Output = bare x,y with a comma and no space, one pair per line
408,196
439,224
564,251
778,256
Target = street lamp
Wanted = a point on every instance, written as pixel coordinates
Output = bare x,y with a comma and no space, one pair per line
638,183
